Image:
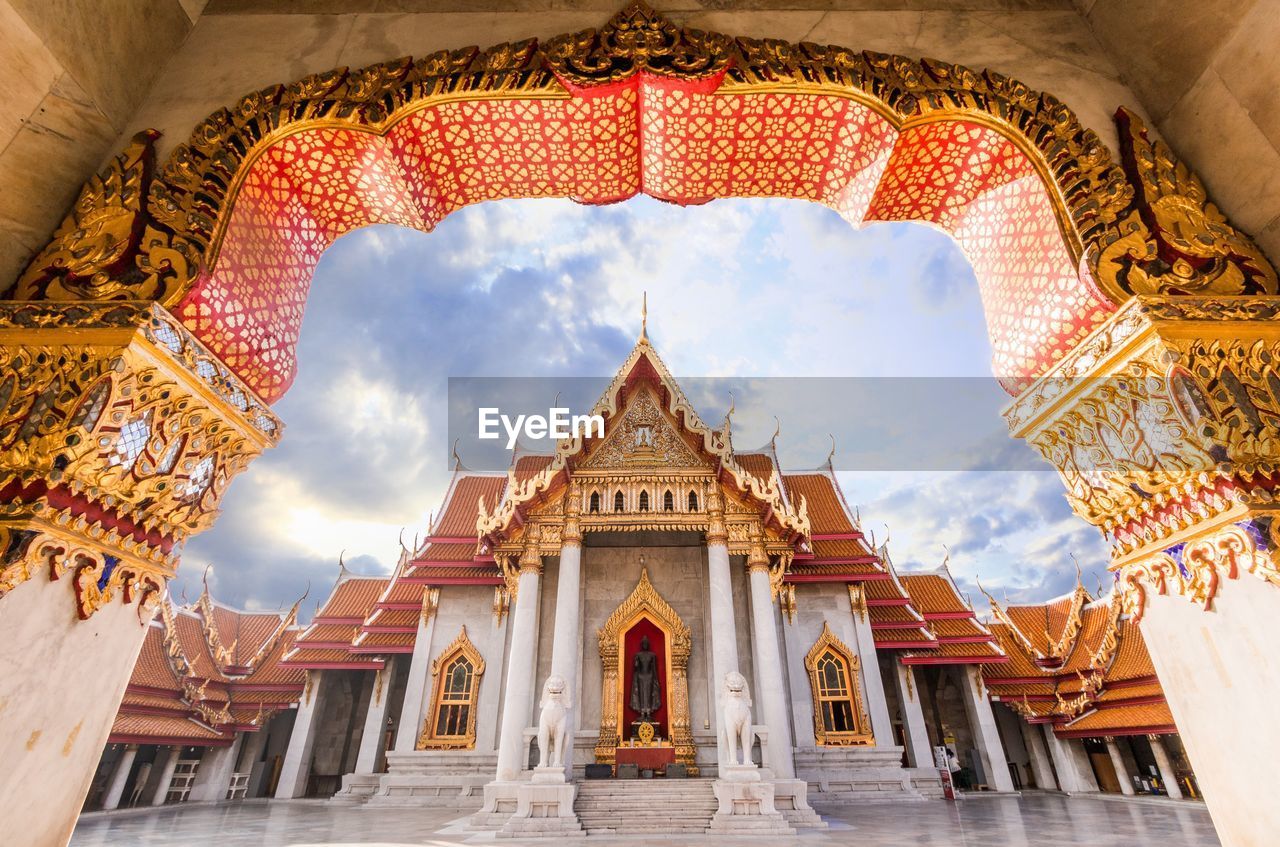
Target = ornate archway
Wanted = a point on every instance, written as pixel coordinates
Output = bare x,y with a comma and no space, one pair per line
227,231
645,604
143,346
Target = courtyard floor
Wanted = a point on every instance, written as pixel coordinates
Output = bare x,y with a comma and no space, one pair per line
1033,819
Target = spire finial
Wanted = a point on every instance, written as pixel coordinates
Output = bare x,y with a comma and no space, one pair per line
457,460
644,317
946,558
832,455
777,430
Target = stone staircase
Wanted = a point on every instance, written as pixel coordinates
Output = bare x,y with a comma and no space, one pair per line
643,806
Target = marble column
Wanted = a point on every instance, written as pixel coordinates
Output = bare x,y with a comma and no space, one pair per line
375,720
982,722
1122,771
1168,776
768,667
297,757
213,777
1075,774
566,643
120,775
1033,740
723,627
417,691
519,694
167,767
919,753
872,683
501,796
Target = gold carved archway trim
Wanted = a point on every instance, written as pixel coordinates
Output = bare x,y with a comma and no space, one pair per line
459,647
828,642
645,602
143,230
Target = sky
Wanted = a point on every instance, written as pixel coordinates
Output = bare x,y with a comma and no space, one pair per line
741,289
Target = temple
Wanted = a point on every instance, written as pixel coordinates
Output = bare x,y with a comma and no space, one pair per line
642,604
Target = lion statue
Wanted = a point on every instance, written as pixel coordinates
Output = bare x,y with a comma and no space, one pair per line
552,722
736,730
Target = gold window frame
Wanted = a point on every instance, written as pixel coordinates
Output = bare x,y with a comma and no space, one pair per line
862,735
427,739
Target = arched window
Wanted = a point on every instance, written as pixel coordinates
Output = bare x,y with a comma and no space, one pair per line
693,501
451,722
838,715
644,501
595,502
618,503
668,502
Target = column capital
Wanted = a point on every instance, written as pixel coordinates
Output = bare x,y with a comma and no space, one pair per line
717,532
124,434
531,554
757,557
1163,425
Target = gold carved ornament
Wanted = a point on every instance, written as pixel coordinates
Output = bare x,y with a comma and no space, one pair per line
829,645
1166,418
1174,241
460,648
1206,561
115,404
645,602
166,228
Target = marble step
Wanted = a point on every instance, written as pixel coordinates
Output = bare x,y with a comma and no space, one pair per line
646,807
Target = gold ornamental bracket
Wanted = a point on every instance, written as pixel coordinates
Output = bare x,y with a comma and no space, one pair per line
1174,241
637,41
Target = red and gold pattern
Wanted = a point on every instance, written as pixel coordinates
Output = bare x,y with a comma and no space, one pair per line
235,221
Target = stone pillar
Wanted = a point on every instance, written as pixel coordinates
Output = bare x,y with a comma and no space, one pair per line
417,693
982,722
167,768
1122,771
919,753
1075,774
297,757
544,806
768,665
120,776
375,720
519,691
213,777
566,644
872,683
500,795
790,794
1033,739
96,497
1168,775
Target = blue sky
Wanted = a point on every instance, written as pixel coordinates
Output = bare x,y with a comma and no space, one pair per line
736,288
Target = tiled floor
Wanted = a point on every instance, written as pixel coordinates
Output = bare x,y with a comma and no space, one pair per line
987,822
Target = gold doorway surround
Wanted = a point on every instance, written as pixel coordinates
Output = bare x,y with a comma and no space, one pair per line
645,602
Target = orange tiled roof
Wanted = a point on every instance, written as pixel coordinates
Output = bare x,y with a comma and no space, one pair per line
759,465
1120,720
529,466
933,593
353,597
128,726
826,509
448,553
460,513
152,668
888,635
